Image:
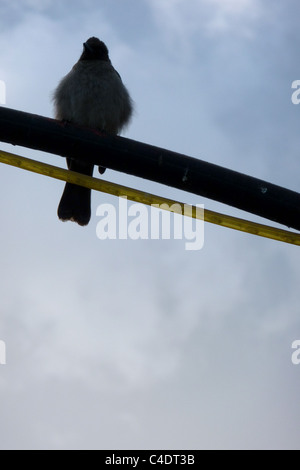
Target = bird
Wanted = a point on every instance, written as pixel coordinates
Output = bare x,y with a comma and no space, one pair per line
93,95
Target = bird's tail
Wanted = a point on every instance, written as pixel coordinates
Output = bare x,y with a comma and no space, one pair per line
75,203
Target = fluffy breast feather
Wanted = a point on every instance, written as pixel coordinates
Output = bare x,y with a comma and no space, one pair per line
92,94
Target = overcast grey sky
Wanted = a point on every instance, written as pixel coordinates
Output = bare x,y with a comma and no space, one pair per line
142,344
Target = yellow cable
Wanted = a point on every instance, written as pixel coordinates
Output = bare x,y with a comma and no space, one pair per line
150,199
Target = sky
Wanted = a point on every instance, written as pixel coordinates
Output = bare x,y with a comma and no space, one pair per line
142,344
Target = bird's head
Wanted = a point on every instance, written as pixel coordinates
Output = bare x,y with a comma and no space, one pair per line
94,49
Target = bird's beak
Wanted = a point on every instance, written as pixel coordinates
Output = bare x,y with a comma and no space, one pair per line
87,47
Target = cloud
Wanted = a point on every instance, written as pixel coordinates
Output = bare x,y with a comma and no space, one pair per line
235,17
181,21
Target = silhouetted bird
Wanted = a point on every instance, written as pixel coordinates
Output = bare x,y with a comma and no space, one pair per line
91,94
